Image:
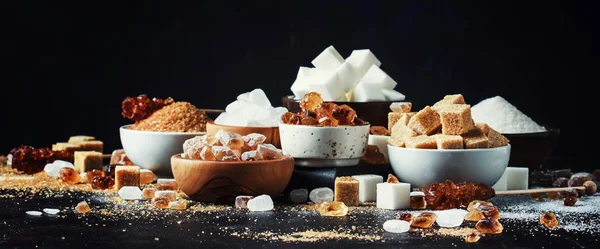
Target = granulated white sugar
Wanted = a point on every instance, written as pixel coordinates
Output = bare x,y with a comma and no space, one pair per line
503,117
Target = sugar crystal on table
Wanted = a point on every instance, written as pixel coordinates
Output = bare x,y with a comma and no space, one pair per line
474,215
349,76
299,195
148,193
472,238
241,201
93,145
69,176
53,169
170,194
396,226
405,217
34,213
94,173
80,138
489,211
127,176
269,152
102,182
321,194
87,160
346,190
548,219
332,208
160,202
130,193
424,220
393,195
51,211
82,207
311,101
260,203
489,226
230,139
379,130
362,60
146,176
166,184
450,218
417,200
178,205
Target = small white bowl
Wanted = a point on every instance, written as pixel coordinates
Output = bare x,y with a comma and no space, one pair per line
153,150
324,146
422,167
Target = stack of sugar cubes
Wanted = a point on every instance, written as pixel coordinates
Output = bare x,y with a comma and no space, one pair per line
251,109
358,78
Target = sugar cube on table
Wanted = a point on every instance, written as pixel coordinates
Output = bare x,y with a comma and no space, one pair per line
328,84
166,184
349,77
260,203
378,76
93,145
329,59
80,138
500,185
392,95
301,85
362,60
88,160
346,190
321,194
367,186
393,195
517,178
130,193
148,193
66,146
127,176
366,91
146,176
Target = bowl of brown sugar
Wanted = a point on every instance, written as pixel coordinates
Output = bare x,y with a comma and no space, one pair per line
160,128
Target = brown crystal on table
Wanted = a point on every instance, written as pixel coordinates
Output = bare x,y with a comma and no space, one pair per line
346,190
178,205
102,182
146,176
141,107
538,196
148,193
82,207
474,215
333,208
127,176
417,200
379,130
424,220
489,226
119,157
311,101
294,119
69,176
472,238
548,219
570,201
373,156
448,195
241,201
489,211
30,160
160,202
91,174
405,217
473,205
166,184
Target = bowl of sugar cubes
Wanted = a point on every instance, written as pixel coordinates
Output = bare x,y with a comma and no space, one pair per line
357,81
532,143
442,142
250,113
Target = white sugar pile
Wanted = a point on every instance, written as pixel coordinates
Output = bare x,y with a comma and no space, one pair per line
503,117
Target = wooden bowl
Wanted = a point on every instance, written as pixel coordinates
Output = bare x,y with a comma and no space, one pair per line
272,133
220,182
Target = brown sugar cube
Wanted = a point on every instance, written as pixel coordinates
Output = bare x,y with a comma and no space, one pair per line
85,161
401,107
94,145
346,190
455,119
404,118
446,142
79,139
421,142
496,139
127,176
451,99
393,118
402,132
66,146
425,122
475,139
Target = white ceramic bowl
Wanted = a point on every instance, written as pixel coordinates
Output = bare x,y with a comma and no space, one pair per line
314,146
153,150
422,167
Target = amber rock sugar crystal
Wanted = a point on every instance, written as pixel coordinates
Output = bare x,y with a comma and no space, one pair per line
333,208
417,200
548,219
82,207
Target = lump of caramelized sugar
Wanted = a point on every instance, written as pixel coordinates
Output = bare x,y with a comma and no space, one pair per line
424,220
69,176
472,238
379,130
82,207
141,107
489,226
311,101
319,113
405,217
30,160
102,182
333,208
448,195
548,219
392,179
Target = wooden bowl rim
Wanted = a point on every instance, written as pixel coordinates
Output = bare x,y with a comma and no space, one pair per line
212,122
285,158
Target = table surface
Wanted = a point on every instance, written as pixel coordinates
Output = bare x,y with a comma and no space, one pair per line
114,223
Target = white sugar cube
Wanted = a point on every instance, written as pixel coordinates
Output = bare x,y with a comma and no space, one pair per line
362,60
367,91
376,75
130,193
301,85
392,95
517,178
328,85
367,186
381,143
260,203
328,60
500,185
349,77
393,195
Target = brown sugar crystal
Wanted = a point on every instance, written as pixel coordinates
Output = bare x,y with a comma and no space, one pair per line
346,190
421,142
127,176
393,118
88,160
496,139
456,119
400,134
160,202
475,139
94,145
448,141
148,193
80,138
425,122
66,146
166,184
176,117
451,99
82,207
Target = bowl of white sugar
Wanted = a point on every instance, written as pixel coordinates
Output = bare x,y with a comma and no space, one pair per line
532,143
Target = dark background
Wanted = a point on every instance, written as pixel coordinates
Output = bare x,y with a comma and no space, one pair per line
68,66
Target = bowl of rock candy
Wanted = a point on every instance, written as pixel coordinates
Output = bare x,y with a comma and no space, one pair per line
219,168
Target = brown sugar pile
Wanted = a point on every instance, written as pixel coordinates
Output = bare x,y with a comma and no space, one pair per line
176,117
